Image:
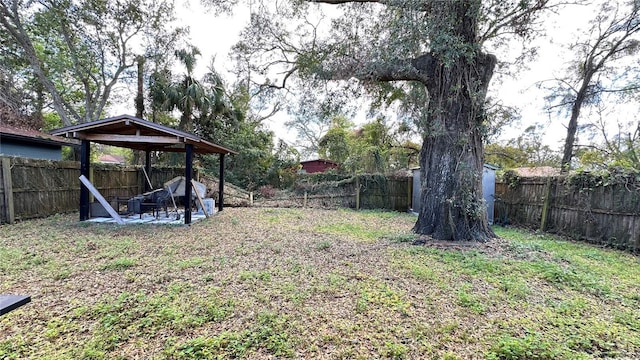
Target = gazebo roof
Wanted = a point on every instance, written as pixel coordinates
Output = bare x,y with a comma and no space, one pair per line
34,136
134,133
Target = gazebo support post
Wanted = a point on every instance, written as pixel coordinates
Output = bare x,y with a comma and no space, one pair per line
147,168
85,166
188,169
221,185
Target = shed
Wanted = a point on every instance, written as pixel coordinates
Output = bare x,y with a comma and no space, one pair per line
317,166
112,159
134,133
488,189
32,144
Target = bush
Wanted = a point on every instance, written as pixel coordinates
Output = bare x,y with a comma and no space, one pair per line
267,191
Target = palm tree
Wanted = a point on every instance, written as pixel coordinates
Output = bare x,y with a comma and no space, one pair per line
187,95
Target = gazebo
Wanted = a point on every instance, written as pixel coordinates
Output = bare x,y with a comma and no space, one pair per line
134,133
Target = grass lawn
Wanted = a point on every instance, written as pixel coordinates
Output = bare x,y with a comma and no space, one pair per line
302,283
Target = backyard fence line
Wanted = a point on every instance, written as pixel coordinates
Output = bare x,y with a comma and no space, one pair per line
311,201
37,188
359,192
605,214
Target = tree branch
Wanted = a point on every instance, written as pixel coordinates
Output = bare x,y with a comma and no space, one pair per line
336,2
416,69
275,110
10,20
424,5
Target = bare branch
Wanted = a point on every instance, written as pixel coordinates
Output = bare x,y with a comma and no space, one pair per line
276,108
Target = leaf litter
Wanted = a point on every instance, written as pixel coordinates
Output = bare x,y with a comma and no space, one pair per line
277,282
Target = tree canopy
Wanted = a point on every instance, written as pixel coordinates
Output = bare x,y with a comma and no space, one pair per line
77,51
370,148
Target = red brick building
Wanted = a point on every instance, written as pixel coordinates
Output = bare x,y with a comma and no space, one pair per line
317,166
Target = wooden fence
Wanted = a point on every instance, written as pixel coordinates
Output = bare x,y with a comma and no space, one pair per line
36,188
606,213
359,192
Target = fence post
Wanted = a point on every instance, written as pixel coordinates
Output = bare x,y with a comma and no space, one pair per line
357,192
409,193
251,198
304,204
8,190
546,205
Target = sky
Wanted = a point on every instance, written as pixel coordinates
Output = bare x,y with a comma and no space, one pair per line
215,35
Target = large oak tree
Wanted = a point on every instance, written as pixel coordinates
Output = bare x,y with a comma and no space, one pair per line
430,56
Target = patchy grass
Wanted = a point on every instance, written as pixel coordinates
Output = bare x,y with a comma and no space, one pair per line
305,283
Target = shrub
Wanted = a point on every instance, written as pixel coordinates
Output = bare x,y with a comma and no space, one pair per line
267,191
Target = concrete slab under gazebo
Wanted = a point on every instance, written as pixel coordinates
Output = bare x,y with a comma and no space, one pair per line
134,133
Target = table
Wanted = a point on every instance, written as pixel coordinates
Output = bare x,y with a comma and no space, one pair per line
12,302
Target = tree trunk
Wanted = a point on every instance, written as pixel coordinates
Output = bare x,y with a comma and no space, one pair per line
572,127
451,158
139,155
185,122
140,93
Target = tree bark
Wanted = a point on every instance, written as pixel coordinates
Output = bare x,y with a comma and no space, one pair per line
140,92
572,129
138,155
451,158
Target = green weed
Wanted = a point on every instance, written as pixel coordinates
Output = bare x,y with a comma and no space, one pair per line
244,295
254,275
270,332
323,245
629,318
523,348
403,238
119,264
466,298
356,231
193,262
14,348
572,277
336,281
514,287
118,319
379,294
423,272
394,351
62,274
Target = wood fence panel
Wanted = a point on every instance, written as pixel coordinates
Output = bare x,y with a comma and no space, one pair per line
607,214
379,192
117,181
375,192
44,187
161,175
